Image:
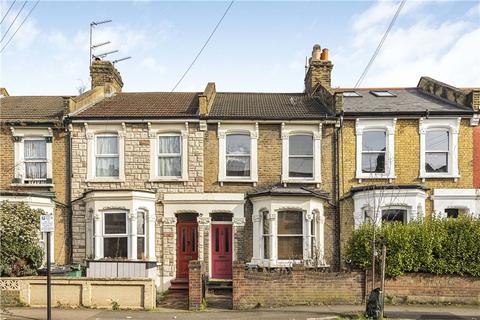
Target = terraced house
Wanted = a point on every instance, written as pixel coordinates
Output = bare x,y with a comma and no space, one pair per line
35,161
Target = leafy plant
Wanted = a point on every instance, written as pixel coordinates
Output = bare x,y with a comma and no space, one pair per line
20,252
439,246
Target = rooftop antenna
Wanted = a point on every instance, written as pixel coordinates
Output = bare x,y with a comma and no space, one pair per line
95,46
306,65
92,25
103,55
121,59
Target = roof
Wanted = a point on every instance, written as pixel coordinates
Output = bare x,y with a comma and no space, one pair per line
356,189
143,105
266,106
32,108
406,101
288,191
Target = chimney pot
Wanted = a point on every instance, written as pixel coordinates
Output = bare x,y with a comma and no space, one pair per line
316,52
324,55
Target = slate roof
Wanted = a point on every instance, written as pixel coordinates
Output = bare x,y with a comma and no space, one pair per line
266,106
32,108
288,191
143,105
406,101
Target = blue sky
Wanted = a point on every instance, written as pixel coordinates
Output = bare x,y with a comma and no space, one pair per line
260,46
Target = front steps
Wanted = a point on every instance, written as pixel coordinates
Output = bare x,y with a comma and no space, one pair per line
219,294
176,297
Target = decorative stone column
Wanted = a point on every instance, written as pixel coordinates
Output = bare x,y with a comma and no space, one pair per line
98,246
132,236
203,238
169,246
151,220
238,238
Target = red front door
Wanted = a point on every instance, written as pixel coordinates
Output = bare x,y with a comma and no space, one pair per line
187,247
222,251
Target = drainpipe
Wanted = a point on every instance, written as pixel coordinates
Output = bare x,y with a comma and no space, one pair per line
69,183
337,137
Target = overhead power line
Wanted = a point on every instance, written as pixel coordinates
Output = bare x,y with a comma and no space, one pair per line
6,14
21,24
15,19
377,50
204,45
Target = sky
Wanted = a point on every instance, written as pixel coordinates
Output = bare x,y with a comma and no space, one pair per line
260,46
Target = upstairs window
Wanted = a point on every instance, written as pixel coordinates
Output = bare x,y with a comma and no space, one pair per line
106,156
169,155
374,151
290,235
115,235
238,155
437,150
35,159
300,161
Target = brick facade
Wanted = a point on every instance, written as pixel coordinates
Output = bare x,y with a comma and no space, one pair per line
476,157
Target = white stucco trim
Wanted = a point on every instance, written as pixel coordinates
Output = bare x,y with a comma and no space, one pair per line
465,199
387,125
245,128
43,203
91,130
315,130
156,129
311,208
130,202
453,127
374,201
20,134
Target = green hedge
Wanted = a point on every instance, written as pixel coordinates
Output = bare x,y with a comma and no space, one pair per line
439,246
20,252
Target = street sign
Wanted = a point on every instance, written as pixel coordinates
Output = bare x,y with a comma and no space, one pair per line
46,223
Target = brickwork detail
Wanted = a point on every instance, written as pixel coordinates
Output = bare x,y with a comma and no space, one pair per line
195,289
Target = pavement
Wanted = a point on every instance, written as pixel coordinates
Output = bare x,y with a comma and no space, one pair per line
292,313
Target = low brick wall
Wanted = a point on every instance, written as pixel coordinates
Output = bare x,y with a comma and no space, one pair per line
296,286
82,292
301,286
195,288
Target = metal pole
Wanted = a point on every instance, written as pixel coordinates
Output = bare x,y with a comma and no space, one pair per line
90,47
49,284
382,285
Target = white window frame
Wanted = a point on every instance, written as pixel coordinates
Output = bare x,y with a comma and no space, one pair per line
156,130
19,137
247,129
115,235
452,125
407,210
91,132
112,155
366,125
310,209
313,130
144,235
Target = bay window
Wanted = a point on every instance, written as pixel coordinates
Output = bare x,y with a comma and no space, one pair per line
394,215
106,156
141,235
266,235
169,155
115,237
238,155
290,235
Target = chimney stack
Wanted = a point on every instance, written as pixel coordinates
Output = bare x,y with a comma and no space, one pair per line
104,74
319,70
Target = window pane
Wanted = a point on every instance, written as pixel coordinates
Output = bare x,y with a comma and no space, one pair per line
266,247
35,170
436,162
290,222
141,223
266,223
140,248
169,166
436,140
107,145
107,167
300,145
115,223
290,248
35,149
115,247
391,215
238,166
300,167
238,144
373,162
227,243
451,213
374,141
194,240
168,144
217,240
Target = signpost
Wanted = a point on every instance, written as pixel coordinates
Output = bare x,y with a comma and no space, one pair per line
47,226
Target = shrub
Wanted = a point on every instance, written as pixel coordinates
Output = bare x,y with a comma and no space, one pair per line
439,246
20,252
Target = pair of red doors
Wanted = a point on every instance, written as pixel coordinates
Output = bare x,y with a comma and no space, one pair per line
221,248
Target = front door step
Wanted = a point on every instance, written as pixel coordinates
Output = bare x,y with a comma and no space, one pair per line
179,284
219,284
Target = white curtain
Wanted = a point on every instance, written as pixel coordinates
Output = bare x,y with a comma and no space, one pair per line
107,157
35,154
168,144
169,156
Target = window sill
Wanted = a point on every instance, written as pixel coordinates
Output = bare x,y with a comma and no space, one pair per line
236,180
32,185
375,177
439,176
168,179
106,180
292,180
